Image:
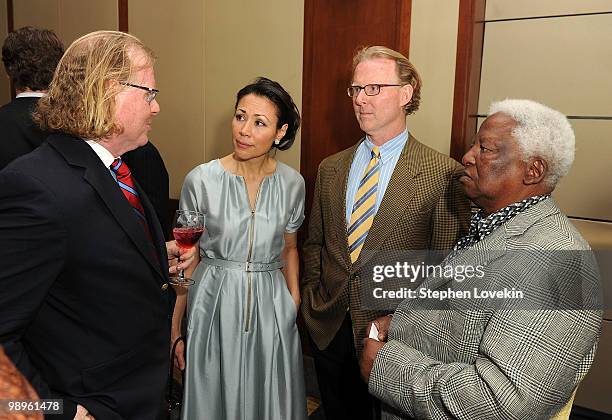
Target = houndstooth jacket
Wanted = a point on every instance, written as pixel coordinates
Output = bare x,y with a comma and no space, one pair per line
423,208
496,363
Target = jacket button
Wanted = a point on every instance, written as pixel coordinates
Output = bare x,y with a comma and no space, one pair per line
164,286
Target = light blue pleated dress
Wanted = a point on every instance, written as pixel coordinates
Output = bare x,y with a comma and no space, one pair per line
244,359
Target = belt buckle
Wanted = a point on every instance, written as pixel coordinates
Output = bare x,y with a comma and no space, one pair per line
248,267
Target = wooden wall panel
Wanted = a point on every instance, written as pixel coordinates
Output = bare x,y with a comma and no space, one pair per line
333,30
470,36
122,11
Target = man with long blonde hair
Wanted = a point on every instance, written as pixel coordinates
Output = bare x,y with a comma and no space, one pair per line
86,306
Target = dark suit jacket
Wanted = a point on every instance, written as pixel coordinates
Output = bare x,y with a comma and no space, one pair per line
19,134
85,308
423,208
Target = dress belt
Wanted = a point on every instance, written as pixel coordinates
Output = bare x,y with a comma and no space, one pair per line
243,266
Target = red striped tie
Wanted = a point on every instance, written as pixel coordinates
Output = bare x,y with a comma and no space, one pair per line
126,183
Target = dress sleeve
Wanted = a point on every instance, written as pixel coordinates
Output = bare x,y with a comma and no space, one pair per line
297,211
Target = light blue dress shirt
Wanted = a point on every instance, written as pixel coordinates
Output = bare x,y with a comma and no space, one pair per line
389,154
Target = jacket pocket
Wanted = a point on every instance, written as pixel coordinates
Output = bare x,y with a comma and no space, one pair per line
105,374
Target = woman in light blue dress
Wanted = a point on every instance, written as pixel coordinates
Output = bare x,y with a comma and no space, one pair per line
243,355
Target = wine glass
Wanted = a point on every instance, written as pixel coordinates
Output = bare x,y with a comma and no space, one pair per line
187,228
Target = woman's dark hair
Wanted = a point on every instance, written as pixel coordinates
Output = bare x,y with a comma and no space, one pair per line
287,111
30,56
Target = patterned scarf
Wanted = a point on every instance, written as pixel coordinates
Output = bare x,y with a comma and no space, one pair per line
481,226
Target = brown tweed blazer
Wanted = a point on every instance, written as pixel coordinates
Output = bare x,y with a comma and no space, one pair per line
423,208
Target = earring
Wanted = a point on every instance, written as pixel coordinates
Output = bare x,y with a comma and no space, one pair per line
277,142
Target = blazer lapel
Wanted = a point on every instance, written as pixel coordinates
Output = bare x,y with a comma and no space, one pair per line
521,222
338,201
77,153
495,245
397,196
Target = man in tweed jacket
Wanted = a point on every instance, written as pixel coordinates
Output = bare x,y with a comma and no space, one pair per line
422,208
512,359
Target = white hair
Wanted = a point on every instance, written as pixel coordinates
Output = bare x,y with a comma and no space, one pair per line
541,132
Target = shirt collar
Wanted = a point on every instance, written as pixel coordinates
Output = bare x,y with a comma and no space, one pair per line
391,147
105,156
30,95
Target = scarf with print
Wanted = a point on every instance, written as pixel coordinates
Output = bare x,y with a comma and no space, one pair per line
482,226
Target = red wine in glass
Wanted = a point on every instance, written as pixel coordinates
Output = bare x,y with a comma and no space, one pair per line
187,229
186,237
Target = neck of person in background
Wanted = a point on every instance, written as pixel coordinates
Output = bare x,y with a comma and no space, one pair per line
28,90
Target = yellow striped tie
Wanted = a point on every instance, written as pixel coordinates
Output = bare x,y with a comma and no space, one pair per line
364,208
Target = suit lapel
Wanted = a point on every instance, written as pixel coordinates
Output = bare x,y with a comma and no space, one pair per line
78,153
398,194
495,245
338,201
521,222
120,208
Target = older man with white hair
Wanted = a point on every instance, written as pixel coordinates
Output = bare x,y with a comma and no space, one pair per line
521,355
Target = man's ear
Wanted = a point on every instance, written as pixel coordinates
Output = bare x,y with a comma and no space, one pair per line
406,94
536,171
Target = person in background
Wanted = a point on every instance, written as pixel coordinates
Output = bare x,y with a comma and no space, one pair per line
505,358
244,359
150,172
85,303
387,192
30,56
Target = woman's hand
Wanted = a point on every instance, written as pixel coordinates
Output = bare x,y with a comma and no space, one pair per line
180,258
